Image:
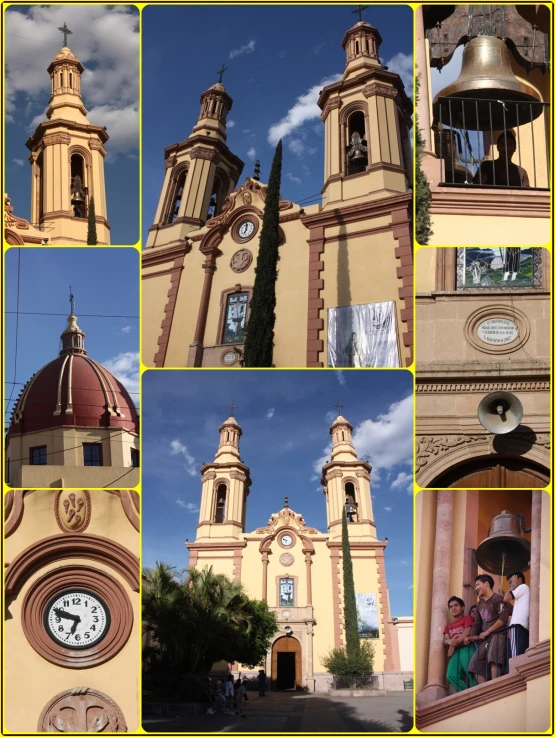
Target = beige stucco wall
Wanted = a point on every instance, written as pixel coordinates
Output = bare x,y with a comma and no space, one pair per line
31,681
405,637
154,295
493,230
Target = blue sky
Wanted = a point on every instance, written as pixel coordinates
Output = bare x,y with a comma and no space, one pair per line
106,41
278,58
285,417
104,281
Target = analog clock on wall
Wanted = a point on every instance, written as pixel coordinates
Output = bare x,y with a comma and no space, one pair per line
246,229
77,619
286,540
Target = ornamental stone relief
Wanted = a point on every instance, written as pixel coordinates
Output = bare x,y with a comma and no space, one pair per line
429,447
479,388
286,559
81,709
241,260
72,510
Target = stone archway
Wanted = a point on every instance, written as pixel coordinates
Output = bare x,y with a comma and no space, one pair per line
286,664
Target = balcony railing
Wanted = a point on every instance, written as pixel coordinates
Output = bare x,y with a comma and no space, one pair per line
466,135
352,683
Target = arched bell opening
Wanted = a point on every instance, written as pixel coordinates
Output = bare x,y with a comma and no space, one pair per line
176,195
78,188
351,504
221,502
357,148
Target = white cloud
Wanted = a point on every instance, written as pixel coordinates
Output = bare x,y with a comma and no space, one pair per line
251,153
403,482
270,413
126,329
388,509
306,108
289,445
187,505
293,178
401,64
125,367
230,123
340,376
122,125
330,417
106,41
18,162
245,49
177,448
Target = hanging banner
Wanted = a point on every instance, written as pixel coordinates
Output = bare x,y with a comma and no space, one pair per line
363,336
367,615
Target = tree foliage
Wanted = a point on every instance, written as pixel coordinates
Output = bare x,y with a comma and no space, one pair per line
361,664
196,618
91,225
349,600
423,195
259,341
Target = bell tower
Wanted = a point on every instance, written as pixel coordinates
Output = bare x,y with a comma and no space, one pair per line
67,159
200,172
367,122
346,484
225,488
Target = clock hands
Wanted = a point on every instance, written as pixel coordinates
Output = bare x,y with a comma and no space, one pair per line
66,615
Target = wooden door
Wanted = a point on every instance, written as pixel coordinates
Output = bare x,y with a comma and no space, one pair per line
287,645
496,473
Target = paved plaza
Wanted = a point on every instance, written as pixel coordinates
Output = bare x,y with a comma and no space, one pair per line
292,712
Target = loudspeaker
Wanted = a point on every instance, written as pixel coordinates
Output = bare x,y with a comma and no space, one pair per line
500,412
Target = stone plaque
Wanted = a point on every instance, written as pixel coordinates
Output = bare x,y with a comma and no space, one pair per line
497,331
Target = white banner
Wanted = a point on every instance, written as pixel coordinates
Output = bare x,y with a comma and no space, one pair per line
367,615
363,336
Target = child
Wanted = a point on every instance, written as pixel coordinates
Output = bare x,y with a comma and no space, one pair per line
240,691
229,695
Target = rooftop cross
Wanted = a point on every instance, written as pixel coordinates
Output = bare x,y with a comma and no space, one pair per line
232,407
65,30
72,300
221,73
339,407
286,504
359,10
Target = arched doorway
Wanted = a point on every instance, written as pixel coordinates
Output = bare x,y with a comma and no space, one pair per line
494,473
286,664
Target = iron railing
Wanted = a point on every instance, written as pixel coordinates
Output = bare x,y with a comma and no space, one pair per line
366,683
466,135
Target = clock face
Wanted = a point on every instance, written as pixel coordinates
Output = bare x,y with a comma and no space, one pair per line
286,540
77,619
246,229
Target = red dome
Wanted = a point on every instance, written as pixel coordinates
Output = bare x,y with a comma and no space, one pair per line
73,390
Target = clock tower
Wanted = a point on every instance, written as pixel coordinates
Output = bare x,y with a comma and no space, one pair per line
200,172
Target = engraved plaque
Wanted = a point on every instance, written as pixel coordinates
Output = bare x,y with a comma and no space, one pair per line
497,331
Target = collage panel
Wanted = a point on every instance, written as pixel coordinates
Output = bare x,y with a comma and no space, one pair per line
484,114
307,537
484,595
286,204
72,617
71,368
72,110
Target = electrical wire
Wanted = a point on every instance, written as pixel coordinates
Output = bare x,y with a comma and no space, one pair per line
63,450
80,388
64,314
120,477
16,328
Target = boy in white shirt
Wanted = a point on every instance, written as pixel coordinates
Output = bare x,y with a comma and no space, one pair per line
519,596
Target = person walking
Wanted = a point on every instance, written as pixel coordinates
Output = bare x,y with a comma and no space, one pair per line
262,681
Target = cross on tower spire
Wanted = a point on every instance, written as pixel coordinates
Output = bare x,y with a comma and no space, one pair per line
72,300
339,408
221,73
232,407
65,30
359,9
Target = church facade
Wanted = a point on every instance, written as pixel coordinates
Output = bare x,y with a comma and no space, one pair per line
346,260
67,167
296,568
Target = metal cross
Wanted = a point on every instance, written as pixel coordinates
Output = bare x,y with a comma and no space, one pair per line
72,300
232,407
221,73
339,407
65,30
359,10
286,504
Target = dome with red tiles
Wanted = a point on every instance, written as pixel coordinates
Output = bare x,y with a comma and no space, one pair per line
75,391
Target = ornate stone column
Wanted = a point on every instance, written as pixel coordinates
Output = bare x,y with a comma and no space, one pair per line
196,348
535,568
423,109
435,687
308,561
265,576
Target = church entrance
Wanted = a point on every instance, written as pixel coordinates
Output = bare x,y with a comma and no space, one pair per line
505,473
286,664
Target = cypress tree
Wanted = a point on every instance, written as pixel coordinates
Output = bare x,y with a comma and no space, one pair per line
423,196
349,600
259,341
91,225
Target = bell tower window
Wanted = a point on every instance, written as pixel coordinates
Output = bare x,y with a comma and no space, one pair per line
175,199
221,499
357,148
78,189
351,505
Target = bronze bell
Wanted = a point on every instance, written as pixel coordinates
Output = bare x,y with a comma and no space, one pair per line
487,78
505,549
